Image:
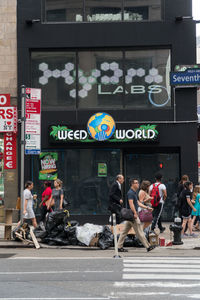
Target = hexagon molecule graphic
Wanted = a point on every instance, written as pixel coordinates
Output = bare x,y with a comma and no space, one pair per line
83,93
82,80
114,66
56,73
140,72
69,80
158,78
47,73
128,79
69,66
148,79
43,67
105,80
64,73
131,72
153,72
96,73
87,87
105,66
43,80
114,80
72,93
91,80
118,73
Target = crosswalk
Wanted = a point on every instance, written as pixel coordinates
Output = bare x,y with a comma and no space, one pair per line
159,278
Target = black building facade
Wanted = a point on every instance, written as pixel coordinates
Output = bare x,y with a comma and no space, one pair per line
107,104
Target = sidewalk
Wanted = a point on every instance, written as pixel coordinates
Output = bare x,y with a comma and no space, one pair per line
188,243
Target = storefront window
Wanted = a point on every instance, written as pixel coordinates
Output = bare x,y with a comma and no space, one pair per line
101,10
100,75
54,72
147,78
105,79
86,174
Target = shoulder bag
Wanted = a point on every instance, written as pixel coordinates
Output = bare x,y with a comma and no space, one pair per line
127,214
145,215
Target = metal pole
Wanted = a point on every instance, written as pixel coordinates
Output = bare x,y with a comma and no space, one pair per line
174,92
115,237
23,120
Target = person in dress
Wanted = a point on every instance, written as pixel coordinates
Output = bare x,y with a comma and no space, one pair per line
28,212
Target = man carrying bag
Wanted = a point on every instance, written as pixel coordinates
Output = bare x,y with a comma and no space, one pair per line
135,222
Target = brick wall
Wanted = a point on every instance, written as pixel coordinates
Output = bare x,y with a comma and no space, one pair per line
8,82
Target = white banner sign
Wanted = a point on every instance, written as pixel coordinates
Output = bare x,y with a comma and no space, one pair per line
8,119
33,121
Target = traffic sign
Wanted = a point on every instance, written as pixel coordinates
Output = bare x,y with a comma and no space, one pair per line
189,78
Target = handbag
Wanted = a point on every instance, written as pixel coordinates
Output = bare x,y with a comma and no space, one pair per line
145,215
127,214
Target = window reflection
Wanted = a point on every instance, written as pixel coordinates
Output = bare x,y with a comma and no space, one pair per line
102,10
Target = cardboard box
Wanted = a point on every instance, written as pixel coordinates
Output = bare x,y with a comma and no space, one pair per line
162,242
153,239
94,241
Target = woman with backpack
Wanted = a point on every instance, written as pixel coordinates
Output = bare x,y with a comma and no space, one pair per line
57,196
186,208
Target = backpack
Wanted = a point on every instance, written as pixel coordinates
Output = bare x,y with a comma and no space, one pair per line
156,195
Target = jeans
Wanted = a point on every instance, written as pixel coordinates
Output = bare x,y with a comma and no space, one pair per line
157,211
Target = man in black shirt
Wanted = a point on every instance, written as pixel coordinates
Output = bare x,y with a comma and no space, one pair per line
133,204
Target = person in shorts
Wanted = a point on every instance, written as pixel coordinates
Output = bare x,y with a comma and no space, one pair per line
186,207
28,212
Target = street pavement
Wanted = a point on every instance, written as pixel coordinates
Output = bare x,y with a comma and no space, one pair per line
52,274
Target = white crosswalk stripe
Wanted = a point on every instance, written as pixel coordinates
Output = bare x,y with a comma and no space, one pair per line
162,268
156,277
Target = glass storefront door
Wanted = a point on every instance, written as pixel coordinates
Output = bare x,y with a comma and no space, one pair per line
144,166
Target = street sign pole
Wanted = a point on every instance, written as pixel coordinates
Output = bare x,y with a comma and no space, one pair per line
23,120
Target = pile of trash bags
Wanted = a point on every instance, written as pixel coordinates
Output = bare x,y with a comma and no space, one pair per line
58,230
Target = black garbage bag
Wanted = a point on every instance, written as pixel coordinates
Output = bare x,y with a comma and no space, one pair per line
40,233
129,241
55,241
54,219
70,232
106,238
137,243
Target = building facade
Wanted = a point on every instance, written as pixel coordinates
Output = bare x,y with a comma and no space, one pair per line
107,104
8,85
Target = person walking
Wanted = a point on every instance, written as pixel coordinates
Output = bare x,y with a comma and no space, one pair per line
133,203
184,179
56,201
145,198
28,212
186,208
158,187
46,197
196,198
115,197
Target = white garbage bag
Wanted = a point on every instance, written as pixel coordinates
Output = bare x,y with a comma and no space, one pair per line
86,232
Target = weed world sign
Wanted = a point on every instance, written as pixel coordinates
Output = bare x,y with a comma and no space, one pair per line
102,128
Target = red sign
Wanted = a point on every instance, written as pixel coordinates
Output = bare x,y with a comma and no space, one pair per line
4,99
10,146
8,119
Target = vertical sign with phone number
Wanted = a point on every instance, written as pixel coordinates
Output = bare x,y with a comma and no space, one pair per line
33,121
